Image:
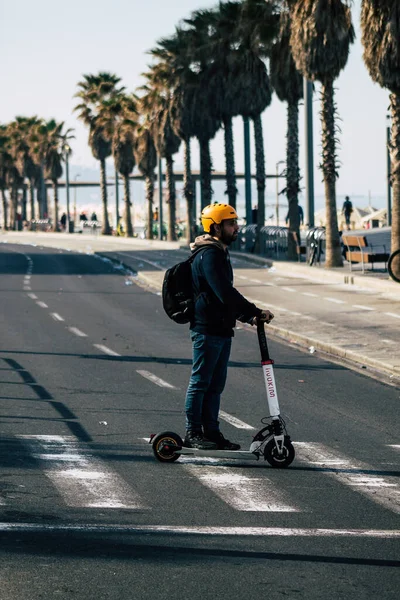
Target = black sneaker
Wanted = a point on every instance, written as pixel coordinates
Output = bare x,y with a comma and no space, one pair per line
222,443
195,439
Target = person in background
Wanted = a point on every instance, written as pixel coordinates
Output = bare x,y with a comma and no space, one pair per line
347,209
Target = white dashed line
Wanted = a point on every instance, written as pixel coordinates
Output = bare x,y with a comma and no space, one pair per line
33,296
288,289
335,300
310,294
77,332
42,304
56,317
155,379
234,421
390,314
388,341
360,306
106,350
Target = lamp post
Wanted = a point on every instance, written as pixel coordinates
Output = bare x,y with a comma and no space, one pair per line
281,162
309,151
67,151
389,173
75,178
116,200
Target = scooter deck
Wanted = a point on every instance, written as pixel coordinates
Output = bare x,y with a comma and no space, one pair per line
236,454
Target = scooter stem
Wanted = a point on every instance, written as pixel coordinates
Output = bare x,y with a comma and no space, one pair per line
268,371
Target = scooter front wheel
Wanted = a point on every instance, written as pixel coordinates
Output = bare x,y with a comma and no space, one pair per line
276,459
165,446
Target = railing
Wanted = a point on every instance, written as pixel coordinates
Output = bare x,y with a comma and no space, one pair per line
41,225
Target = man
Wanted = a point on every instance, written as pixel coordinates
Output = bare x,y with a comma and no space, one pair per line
347,209
217,306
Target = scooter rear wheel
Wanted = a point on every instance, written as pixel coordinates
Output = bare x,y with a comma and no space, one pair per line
279,461
165,445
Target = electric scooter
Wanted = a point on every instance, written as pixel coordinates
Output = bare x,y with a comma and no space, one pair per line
272,443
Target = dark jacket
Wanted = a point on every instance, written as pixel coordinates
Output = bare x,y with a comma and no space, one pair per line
217,303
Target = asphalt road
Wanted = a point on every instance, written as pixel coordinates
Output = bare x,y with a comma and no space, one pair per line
90,366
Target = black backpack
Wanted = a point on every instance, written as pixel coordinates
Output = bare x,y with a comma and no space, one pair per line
177,290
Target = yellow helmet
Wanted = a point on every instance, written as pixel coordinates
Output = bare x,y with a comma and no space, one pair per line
215,213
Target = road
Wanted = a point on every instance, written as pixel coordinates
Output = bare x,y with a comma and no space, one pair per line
90,367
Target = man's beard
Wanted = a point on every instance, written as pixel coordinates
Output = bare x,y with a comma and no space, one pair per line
228,238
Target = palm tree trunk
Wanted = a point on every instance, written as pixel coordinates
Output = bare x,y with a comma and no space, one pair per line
329,169
56,226
188,191
149,200
5,209
32,198
24,202
41,193
127,207
106,229
171,198
260,179
13,207
292,179
205,173
231,189
395,159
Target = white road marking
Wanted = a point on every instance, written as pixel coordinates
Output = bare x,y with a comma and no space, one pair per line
396,446
335,300
234,421
288,289
380,489
193,530
56,317
81,479
27,288
310,294
388,341
390,314
255,280
42,304
155,379
253,494
362,307
106,350
33,296
77,331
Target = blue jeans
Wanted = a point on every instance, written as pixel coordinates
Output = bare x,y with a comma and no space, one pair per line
207,381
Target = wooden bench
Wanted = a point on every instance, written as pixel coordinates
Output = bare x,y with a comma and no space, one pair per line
359,251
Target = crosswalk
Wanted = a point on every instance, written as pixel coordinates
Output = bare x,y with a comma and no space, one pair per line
84,480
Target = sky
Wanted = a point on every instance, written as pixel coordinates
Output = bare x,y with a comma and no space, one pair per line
47,46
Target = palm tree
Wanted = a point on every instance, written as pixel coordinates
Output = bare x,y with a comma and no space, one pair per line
258,27
95,91
146,159
124,123
321,35
55,152
175,52
5,165
155,103
20,131
205,124
380,25
288,85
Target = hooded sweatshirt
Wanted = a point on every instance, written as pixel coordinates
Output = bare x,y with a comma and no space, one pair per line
217,303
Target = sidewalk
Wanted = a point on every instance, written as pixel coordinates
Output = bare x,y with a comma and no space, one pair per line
326,310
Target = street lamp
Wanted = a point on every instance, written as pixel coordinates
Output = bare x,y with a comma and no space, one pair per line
389,172
75,178
281,162
67,151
